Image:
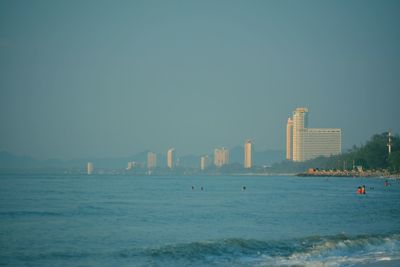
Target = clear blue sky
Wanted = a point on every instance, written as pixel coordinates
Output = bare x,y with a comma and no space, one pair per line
114,78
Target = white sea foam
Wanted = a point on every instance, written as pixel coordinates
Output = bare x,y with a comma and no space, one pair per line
341,251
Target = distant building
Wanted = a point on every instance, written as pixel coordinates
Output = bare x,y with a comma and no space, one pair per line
300,122
171,158
321,142
89,168
303,143
289,139
151,160
204,162
130,166
248,154
221,157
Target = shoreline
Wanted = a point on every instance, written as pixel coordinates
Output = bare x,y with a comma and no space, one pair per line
355,174
348,176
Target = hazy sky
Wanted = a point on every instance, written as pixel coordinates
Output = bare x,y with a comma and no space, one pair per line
114,78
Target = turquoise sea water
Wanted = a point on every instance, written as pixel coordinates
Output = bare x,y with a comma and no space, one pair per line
63,220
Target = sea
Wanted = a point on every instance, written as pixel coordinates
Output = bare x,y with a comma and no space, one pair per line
121,220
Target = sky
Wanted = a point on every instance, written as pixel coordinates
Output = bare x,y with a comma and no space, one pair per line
115,78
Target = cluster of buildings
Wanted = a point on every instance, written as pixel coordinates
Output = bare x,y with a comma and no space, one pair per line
152,159
221,158
302,143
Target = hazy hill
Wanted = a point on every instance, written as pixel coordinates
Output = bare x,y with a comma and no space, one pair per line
8,160
260,158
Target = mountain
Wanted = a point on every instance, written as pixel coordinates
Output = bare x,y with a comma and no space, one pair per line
236,155
8,160
260,158
190,161
268,157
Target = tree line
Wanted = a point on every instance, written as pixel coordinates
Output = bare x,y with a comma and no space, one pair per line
373,155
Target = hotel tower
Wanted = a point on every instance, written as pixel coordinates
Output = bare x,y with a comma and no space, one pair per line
151,160
221,157
289,139
170,158
248,154
303,143
89,168
204,162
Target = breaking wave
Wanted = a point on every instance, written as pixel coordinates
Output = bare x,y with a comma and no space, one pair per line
337,250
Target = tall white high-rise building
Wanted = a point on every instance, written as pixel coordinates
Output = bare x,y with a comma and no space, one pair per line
303,143
248,154
221,156
89,168
170,158
289,139
204,162
151,160
300,121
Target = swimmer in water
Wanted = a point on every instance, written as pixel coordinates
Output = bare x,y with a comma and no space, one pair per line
359,190
243,188
363,190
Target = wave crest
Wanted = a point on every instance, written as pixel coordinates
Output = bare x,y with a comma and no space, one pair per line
338,250
319,251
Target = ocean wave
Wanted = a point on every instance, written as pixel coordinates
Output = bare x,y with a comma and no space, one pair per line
315,251
338,250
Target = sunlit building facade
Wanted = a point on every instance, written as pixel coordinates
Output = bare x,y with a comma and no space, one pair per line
300,122
151,160
221,157
204,162
303,143
248,154
321,142
89,168
131,165
171,158
289,139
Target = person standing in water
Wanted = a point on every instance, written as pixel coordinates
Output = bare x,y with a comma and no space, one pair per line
359,190
363,190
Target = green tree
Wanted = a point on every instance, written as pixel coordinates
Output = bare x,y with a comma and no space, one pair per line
373,155
394,161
